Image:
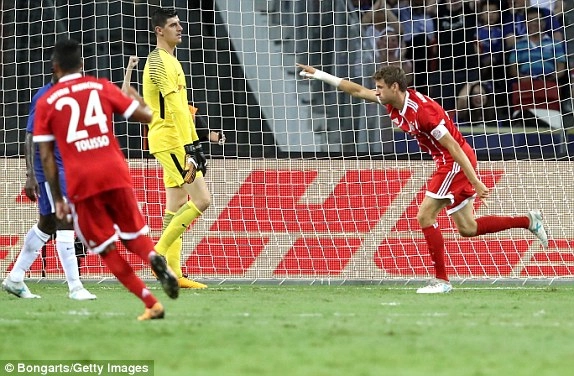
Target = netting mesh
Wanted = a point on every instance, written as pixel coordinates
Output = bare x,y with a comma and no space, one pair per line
313,183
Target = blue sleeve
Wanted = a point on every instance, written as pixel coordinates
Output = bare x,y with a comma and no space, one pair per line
32,110
31,115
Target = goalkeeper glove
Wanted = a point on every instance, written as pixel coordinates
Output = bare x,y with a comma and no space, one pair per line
200,157
194,161
190,164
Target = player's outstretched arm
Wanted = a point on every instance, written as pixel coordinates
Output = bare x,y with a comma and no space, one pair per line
132,63
347,86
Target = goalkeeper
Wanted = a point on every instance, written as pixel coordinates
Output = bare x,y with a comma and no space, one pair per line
173,141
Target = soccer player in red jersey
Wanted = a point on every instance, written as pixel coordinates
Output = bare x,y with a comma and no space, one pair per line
454,184
77,114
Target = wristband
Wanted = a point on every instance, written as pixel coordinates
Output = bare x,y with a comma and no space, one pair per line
189,149
323,76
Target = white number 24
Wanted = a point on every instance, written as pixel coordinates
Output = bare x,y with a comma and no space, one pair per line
94,115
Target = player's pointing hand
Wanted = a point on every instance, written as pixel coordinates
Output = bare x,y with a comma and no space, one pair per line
307,71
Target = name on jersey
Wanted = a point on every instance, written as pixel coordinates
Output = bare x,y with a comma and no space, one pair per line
73,89
92,143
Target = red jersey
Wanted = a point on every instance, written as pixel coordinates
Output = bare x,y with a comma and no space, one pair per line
77,114
427,121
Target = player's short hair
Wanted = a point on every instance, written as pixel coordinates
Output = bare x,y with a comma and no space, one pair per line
68,54
161,15
391,74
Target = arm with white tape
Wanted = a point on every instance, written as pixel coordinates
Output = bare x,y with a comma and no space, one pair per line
347,86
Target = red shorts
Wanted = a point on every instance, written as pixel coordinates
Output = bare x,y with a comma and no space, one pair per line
450,182
99,220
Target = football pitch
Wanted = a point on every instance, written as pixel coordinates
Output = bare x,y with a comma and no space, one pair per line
302,330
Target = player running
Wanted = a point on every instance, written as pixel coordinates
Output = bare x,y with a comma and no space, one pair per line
36,189
77,114
454,184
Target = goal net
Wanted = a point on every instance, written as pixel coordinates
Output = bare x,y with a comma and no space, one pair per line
313,184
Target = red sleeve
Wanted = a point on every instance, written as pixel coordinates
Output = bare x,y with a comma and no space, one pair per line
118,99
429,118
41,124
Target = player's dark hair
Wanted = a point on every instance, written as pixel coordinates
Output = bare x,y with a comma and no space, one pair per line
391,74
68,54
161,15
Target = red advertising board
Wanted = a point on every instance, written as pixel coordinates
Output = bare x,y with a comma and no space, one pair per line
317,219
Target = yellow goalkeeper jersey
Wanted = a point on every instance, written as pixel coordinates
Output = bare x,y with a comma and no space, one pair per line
165,92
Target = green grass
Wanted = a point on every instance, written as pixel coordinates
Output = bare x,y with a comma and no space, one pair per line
303,330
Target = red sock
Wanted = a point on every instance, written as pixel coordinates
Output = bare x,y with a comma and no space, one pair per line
141,246
125,274
435,243
490,224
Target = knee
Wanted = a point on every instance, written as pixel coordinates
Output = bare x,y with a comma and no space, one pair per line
202,201
425,220
180,202
467,231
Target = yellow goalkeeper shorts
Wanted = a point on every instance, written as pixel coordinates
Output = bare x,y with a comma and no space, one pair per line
172,162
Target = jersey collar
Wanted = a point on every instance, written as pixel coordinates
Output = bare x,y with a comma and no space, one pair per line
71,76
404,110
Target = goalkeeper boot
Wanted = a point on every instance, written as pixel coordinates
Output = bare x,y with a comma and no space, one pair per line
187,283
537,227
436,286
80,293
153,313
165,275
19,289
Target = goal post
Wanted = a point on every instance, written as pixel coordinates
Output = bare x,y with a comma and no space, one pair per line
313,184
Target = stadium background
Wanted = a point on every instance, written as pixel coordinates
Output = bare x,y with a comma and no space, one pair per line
301,190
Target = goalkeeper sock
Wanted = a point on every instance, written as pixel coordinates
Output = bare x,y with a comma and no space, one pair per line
67,254
173,257
490,224
167,217
177,226
435,243
125,274
35,240
173,253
